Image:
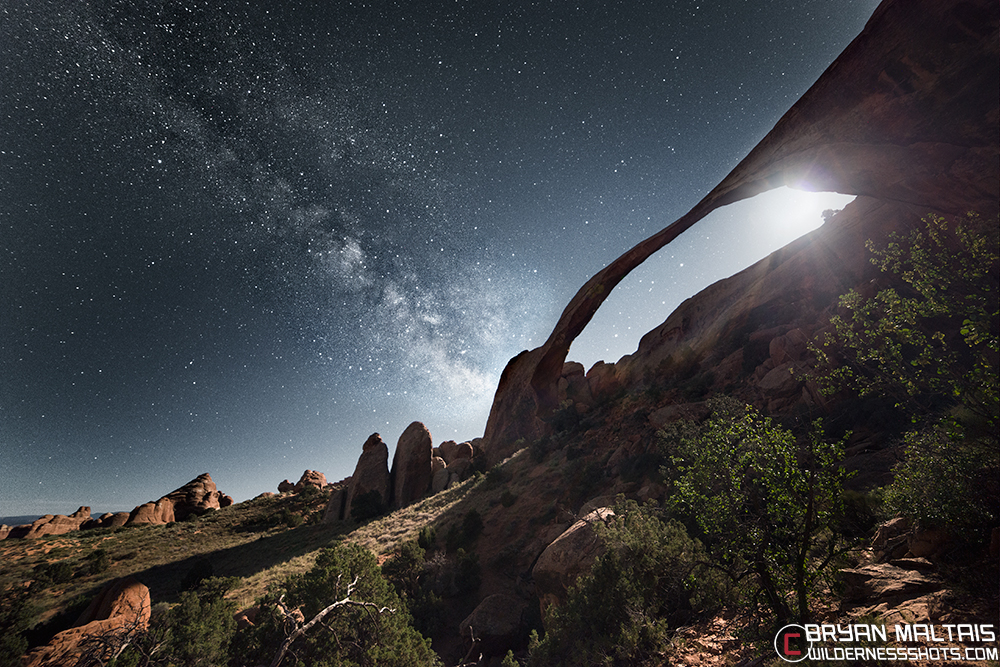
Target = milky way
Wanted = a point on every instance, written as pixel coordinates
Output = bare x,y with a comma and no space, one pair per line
240,237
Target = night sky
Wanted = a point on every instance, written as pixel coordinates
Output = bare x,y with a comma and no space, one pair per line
239,237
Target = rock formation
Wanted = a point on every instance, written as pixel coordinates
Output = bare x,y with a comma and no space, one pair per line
411,465
338,501
312,478
50,524
286,486
120,611
906,117
196,497
370,474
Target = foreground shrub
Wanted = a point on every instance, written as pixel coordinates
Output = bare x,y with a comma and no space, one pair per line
650,580
349,614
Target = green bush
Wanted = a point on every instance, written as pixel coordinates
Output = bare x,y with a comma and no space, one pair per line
648,582
427,538
371,625
948,478
14,620
931,342
764,501
97,561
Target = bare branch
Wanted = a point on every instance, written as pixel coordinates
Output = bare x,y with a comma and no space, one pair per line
300,629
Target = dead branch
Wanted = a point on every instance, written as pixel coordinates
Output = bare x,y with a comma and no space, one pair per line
300,628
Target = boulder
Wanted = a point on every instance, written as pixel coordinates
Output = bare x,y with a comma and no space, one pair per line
160,511
437,464
458,471
411,465
285,486
119,612
439,482
567,557
497,624
463,450
371,472
603,381
312,478
446,450
882,581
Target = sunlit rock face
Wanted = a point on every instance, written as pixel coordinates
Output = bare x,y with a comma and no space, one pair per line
196,497
118,614
51,524
906,118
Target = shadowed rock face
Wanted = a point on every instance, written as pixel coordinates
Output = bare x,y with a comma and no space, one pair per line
411,465
907,116
370,474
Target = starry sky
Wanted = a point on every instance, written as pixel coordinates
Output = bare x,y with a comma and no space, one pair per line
239,237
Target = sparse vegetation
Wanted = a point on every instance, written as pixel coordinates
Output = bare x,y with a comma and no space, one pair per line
649,581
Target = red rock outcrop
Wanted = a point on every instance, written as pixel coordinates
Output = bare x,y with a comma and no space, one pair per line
286,486
313,478
370,474
50,524
120,611
411,465
906,117
196,497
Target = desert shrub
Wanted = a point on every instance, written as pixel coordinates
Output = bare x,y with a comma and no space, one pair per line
948,478
403,570
468,573
53,573
507,499
201,570
371,625
460,536
406,572
97,561
14,620
367,506
291,519
648,582
427,538
201,627
497,477
764,501
930,343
